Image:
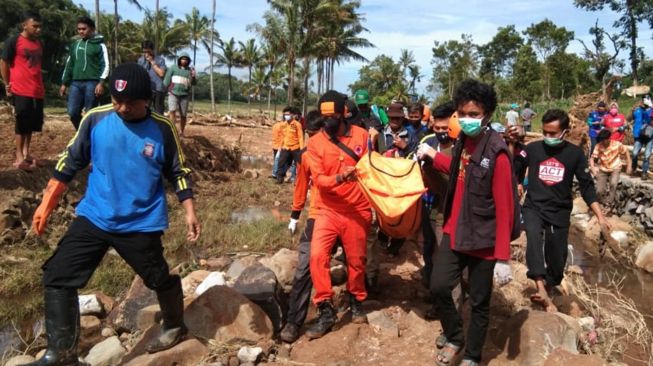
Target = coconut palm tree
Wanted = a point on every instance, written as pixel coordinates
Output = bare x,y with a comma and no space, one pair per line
116,18
171,37
271,59
289,38
250,57
200,31
339,36
406,59
414,72
230,57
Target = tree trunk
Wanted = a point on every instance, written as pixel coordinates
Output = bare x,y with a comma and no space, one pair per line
192,87
97,14
156,28
333,75
291,79
211,59
307,63
634,62
249,85
269,97
319,77
115,34
229,90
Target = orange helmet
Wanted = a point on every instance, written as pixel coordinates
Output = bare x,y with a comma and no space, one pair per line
454,126
426,113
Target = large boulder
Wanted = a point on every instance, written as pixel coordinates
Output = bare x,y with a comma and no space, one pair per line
226,316
283,263
237,267
125,316
187,353
259,284
529,337
106,353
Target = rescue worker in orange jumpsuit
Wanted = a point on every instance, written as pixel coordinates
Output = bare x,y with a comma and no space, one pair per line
345,212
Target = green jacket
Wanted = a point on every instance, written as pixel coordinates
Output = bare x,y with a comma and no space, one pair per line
178,79
88,60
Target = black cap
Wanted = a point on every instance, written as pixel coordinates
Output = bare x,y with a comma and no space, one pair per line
332,102
130,81
601,104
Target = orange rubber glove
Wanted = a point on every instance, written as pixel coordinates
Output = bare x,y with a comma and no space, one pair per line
51,195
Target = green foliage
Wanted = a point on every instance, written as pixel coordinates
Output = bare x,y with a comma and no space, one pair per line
500,53
454,62
526,79
58,29
382,77
632,13
173,35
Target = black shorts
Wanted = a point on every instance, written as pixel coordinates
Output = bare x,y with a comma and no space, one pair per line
29,114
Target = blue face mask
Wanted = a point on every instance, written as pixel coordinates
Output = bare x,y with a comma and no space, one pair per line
470,126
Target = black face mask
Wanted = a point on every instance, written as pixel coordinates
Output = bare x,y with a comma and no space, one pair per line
331,126
443,137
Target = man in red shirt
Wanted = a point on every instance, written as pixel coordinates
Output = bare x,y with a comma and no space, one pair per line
20,66
344,212
479,217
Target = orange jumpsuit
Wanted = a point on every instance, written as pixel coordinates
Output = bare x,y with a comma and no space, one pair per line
344,212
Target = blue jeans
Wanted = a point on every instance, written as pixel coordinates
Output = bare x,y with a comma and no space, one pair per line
637,147
81,94
275,166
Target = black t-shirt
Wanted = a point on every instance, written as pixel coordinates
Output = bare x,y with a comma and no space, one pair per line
551,171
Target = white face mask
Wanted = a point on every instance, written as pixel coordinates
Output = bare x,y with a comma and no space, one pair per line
287,117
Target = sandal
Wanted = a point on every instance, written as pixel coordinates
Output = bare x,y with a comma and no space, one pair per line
447,354
468,362
441,341
23,165
35,162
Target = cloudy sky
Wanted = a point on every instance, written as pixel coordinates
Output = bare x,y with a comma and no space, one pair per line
410,24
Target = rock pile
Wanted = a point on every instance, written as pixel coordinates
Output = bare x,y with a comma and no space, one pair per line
634,202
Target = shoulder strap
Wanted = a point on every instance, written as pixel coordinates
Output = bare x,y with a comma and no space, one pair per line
344,148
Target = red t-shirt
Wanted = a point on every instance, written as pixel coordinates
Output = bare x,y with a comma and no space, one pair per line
24,57
503,201
612,123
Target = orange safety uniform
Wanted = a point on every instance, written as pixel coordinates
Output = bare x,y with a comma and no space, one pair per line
278,130
293,136
302,185
344,212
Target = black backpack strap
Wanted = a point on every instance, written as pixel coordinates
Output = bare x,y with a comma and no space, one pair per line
346,149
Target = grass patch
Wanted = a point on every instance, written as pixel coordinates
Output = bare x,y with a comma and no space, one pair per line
215,205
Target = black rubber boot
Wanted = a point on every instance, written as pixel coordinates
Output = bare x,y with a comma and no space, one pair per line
357,314
289,333
173,329
325,321
61,327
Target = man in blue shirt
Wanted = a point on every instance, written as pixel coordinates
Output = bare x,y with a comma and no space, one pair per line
156,68
641,119
595,122
132,150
